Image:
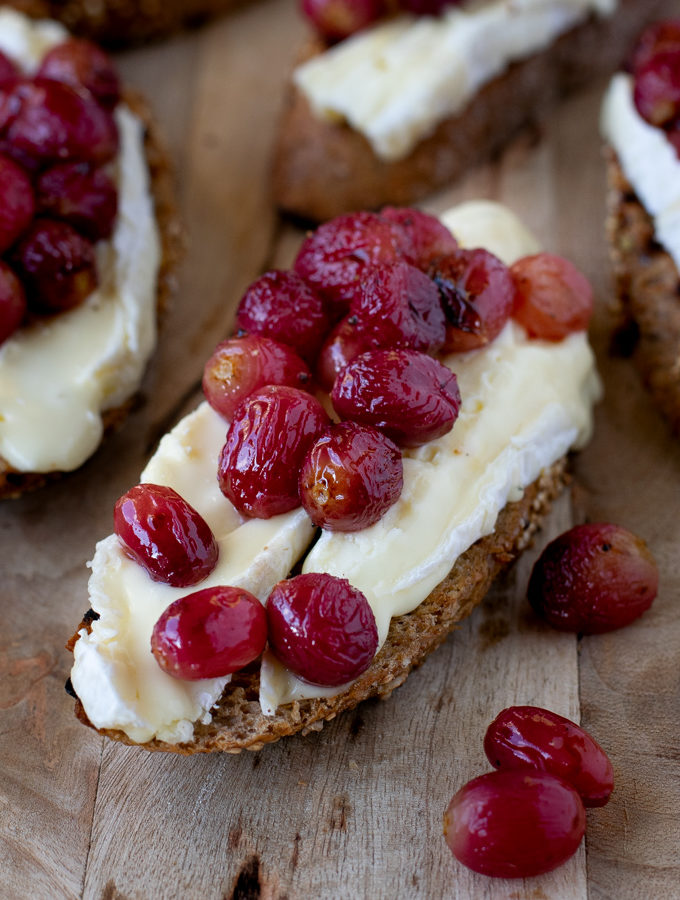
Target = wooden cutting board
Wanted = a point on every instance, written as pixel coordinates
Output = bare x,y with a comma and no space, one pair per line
354,811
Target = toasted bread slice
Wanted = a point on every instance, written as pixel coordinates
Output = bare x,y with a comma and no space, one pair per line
322,169
237,720
648,286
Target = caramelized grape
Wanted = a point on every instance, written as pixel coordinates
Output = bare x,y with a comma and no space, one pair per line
81,195
593,578
8,71
242,365
656,91
398,306
477,294
660,36
56,265
280,305
267,440
522,737
165,534
338,19
350,477
12,302
82,64
424,237
553,299
210,633
346,341
321,628
410,397
514,823
17,204
333,258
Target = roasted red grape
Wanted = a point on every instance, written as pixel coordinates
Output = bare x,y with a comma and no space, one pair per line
333,258
12,302
17,203
8,71
658,37
165,535
424,237
409,396
553,299
82,64
210,633
350,477
398,305
57,266
81,195
242,365
267,440
514,823
593,578
338,19
522,737
321,628
656,91
281,306
346,341
477,294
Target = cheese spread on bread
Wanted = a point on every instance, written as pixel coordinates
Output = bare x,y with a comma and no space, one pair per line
648,159
58,375
395,82
524,404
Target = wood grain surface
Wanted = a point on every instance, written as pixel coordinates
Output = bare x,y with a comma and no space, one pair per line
354,811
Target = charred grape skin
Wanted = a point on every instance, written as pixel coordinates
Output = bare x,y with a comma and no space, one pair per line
332,259
321,628
528,737
82,64
424,237
477,294
281,306
210,633
350,477
241,365
593,578
335,20
12,302
8,71
80,194
17,202
345,341
398,306
56,265
407,395
659,36
165,535
514,823
266,444
553,299
656,90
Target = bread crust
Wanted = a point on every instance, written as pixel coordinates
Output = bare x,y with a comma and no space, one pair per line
238,723
14,483
322,169
648,287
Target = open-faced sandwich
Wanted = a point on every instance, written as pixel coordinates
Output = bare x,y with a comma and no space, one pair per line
88,237
397,411
641,125
385,112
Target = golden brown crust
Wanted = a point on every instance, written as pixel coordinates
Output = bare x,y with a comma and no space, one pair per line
13,483
648,286
238,723
322,169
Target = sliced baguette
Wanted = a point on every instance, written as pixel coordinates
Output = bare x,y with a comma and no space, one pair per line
237,720
648,286
322,169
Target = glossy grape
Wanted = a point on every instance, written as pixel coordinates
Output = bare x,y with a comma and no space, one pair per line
210,633
12,302
424,238
321,628
350,477
82,64
522,737
514,823
335,20
593,578
266,443
410,397
657,37
81,195
8,71
165,534
656,91
553,299
17,202
346,341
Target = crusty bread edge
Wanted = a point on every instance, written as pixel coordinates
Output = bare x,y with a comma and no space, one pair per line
648,289
14,483
238,723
